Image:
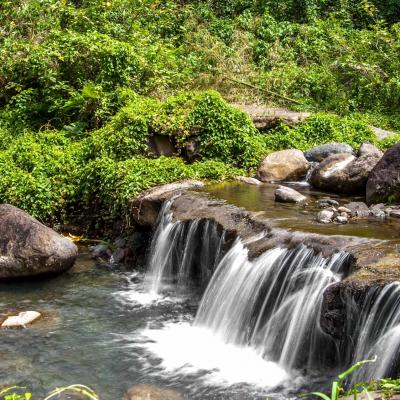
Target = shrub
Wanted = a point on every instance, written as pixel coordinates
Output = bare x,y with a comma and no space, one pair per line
319,129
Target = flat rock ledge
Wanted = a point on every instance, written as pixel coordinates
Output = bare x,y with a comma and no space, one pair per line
29,248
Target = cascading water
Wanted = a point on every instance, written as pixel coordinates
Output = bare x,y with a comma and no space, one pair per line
272,303
181,251
267,308
378,333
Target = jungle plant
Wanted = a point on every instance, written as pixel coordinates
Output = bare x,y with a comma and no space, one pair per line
336,384
20,393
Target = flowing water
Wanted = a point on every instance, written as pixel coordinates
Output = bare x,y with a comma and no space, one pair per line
202,319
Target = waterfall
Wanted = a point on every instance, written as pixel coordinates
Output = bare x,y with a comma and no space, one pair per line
378,333
183,251
272,303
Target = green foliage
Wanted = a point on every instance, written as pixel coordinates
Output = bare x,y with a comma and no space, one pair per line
387,387
84,84
319,129
336,388
386,143
19,393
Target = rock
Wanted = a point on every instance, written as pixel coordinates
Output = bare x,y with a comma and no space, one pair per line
267,118
381,133
248,180
161,145
343,173
192,148
326,202
28,248
146,207
288,195
100,251
383,183
319,153
283,165
394,214
342,219
118,256
21,320
344,210
372,395
368,148
150,392
378,211
325,216
358,209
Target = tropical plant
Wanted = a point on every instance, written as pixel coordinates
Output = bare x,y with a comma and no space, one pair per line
20,393
336,384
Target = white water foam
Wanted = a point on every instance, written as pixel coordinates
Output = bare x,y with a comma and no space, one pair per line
188,350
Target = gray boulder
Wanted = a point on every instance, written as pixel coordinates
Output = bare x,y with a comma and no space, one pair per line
288,195
383,183
283,165
369,149
358,209
319,153
344,173
28,248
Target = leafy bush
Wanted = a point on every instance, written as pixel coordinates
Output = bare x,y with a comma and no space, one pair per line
319,129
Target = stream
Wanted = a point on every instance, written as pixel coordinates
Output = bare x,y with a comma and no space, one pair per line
111,330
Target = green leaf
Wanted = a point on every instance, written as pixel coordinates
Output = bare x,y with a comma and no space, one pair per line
318,394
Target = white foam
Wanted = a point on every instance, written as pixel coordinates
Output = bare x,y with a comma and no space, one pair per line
185,349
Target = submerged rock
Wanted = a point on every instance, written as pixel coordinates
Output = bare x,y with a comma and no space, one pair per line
248,180
344,173
383,183
151,392
29,248
285,165
21,320
319,153
288,195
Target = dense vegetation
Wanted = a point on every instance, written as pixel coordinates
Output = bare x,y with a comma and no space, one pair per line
85,83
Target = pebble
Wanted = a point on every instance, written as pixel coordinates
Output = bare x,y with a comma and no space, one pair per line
325,216
342,219
21,320
326,202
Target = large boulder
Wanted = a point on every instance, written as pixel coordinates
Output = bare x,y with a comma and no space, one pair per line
285,165
319,153
28,248
383,183
344,173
